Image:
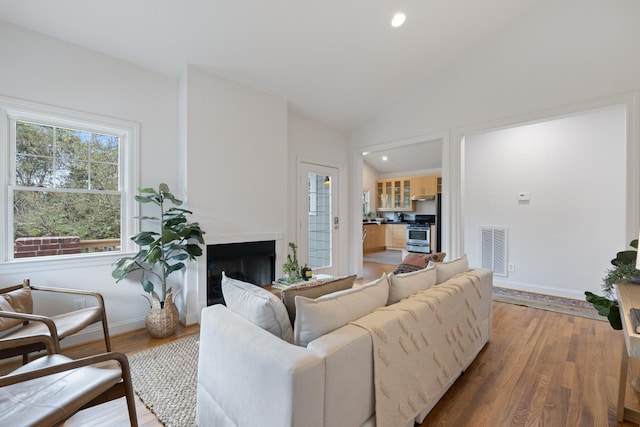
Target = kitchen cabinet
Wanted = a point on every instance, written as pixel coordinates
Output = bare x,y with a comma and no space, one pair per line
394,194
396,236
375,238
428,185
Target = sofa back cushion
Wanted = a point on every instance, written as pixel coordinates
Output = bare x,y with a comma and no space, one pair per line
317,317
17,301
313,291
258,306
406,284
447,269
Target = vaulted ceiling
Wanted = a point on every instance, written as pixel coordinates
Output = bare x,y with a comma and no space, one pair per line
338,62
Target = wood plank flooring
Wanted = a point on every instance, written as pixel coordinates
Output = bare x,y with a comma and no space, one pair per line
539,369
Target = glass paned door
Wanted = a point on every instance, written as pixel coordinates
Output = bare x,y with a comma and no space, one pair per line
319,222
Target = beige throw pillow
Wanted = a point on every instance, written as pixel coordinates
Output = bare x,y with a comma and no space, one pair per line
447,269
403,285
313,291
18,301
317,317
258,306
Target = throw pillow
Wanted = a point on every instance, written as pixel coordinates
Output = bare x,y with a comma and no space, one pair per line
258,306
18,301
313,291
447,269
415,261
406,284
317,317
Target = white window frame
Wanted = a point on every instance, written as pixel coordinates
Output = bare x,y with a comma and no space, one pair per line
12,110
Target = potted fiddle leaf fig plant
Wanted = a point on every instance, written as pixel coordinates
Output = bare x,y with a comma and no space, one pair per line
163,249
624,269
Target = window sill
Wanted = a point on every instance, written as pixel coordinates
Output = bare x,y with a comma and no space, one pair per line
61,262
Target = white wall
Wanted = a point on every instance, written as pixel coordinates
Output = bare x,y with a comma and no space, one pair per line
562,240
558,57
236,168
40,69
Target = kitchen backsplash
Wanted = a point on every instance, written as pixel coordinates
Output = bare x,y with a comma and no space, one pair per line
425,207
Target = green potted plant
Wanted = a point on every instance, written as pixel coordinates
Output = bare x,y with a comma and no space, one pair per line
291,268
172,240
624,269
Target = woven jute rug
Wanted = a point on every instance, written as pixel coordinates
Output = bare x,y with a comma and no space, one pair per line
165,379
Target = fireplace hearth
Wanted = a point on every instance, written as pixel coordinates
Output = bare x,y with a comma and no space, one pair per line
252,262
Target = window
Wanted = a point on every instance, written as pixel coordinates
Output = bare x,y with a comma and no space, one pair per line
365,203
70,180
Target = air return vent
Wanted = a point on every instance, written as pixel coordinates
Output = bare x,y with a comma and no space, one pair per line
494,249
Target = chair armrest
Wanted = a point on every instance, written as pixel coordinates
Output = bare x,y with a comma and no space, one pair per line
53,331
71,364
46,340
95,295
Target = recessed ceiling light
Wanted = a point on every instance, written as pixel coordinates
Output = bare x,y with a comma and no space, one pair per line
384,158
398,19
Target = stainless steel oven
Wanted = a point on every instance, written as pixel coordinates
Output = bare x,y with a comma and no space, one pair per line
419,238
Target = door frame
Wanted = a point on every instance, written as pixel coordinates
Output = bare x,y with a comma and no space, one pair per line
342,187
355,247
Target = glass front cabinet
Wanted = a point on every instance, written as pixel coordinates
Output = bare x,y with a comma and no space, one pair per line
394,194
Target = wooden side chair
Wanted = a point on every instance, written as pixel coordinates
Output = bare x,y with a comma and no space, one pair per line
19,321
51,389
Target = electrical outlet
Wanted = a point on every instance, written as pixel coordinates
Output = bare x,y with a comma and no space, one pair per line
512,267
79,304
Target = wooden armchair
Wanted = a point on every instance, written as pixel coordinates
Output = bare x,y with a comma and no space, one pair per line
19,321
52,388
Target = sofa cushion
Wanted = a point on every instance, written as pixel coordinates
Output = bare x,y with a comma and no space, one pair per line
406,284
18,301
313,291
257,305
414,261
447,269
317,317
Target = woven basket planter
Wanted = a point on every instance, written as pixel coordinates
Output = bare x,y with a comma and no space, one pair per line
161,321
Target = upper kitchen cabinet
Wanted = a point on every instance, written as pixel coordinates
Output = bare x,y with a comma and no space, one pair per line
425,187
394,194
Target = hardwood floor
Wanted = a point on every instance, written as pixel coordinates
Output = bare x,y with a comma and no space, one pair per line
539,369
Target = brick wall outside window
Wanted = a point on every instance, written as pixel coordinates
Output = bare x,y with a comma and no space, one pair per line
26,247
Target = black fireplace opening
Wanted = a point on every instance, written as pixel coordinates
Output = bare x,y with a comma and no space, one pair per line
252,262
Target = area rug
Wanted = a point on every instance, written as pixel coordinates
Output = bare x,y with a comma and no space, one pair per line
547,302
165,378
386,257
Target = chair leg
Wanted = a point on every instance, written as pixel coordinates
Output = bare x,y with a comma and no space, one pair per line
25,358
105,329
128,390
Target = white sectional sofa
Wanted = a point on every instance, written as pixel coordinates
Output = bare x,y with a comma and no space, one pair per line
404,352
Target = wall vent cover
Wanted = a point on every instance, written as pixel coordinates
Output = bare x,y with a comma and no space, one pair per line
494,249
